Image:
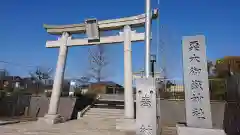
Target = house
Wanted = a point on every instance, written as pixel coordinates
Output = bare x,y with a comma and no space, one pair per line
65,87
222,65
106,87
10,82
176,88
30,85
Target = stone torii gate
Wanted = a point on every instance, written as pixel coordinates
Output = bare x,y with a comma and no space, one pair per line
92,28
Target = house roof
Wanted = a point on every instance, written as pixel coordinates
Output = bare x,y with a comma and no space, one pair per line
109,83
13,78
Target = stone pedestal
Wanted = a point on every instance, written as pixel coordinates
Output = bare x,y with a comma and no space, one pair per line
184,130
51,119
126,125
146,107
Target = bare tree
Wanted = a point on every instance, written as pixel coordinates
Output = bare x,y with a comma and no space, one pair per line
39,75
97,61
84,80
211,68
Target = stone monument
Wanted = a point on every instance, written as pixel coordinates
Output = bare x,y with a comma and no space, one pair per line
146,107
197,101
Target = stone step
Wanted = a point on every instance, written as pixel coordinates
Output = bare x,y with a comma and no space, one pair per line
104,114
109,105
107,109
95,121
114,112
99,111
100,117
169,131
97,117
110,111
97,126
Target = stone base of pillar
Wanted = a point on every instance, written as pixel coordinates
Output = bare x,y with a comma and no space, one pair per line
128,125
184,130
51,119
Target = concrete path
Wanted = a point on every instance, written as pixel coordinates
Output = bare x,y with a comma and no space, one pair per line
95,122
74,127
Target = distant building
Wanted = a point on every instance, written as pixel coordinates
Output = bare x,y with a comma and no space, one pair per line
65,87
3,73
176,88
223,64
10,82
106,87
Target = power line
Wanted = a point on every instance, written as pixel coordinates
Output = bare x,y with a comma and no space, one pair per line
160,46
158,36
16,64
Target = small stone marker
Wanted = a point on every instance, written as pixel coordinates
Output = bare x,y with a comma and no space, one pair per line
146,118
198,111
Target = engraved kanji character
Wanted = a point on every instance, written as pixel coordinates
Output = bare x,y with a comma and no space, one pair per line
195,71
196,84
197,97
194,58
147,130
146,101
194,45
198,112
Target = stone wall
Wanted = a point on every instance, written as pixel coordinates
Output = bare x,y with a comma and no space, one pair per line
174,111
14,105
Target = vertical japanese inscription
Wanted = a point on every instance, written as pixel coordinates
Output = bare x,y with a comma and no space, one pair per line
146,130
196,82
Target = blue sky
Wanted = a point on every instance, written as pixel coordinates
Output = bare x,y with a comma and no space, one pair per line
23,37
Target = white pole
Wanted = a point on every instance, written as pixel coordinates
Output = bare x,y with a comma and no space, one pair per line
148,34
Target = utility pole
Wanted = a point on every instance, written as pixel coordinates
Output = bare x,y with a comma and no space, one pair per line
147,35
152,60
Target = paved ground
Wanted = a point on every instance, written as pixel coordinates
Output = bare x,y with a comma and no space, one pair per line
95,122
74,127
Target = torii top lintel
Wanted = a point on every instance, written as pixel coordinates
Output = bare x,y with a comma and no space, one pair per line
112,24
